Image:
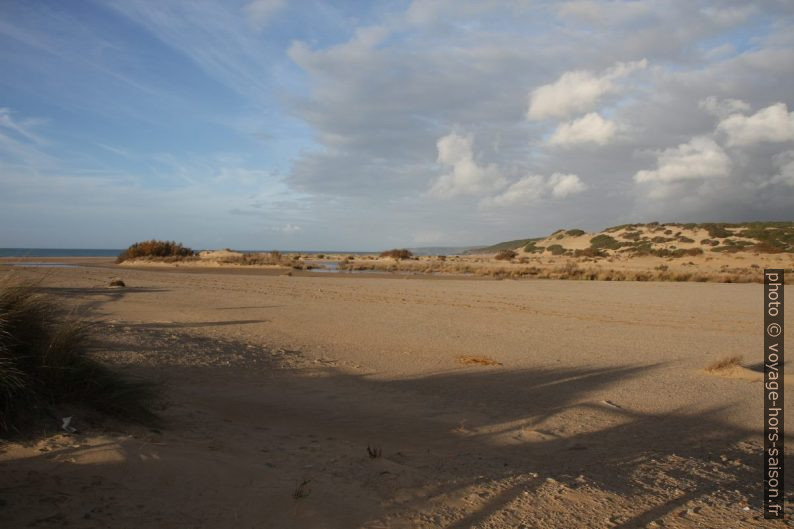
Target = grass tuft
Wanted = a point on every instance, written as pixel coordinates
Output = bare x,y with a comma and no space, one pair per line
725,363
45,361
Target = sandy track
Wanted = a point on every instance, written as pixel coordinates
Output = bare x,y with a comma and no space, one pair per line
600,414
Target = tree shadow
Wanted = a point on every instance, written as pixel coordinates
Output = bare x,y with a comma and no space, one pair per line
529,430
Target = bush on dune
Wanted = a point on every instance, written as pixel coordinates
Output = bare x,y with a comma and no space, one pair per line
44,362
604,242
505,255
157,249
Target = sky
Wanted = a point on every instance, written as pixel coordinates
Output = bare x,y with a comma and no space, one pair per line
277,124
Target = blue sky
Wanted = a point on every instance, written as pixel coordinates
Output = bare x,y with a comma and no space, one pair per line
351,125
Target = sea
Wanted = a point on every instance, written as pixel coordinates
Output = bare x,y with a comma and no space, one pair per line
104,252
58,252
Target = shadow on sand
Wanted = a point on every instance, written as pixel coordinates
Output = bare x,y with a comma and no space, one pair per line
443,434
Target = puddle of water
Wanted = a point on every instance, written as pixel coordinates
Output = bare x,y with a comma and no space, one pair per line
332,267
41,265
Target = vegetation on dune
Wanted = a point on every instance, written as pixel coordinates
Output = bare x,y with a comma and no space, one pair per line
556,249
397,253
715,230
507,245
620,227
505,255
45,361
604,241
162,250
770,237
773,237
255,258
589,252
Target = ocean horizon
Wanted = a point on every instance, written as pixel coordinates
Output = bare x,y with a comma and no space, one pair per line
105,252
58,252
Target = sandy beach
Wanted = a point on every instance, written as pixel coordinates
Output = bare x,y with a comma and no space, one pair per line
531,403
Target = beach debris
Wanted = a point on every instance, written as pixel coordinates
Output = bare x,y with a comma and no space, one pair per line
478,360
302,490
374,452
611,404
66,425
117,282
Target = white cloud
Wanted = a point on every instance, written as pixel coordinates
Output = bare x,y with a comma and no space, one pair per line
785,162
467,177
723,107
700,158
526,190
532,188
563,185
590,128
259,12
577,91
771,124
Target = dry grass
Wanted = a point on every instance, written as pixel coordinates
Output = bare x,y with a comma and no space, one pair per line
725,363
478,361
45,361
505,255
397,253
255,259
582,269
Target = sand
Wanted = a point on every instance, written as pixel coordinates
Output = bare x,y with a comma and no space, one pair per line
592,406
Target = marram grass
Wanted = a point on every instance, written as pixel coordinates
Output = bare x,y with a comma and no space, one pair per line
45,361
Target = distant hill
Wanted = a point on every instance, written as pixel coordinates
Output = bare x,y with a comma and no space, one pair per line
507,245
663,240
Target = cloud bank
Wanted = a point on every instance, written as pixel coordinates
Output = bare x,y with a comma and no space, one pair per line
380,124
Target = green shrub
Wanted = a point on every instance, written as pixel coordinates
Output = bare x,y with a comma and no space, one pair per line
44,361
556,249
589,252
575,232
604,241
156,249
716,230
620,227
532,247
632,235
638,247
